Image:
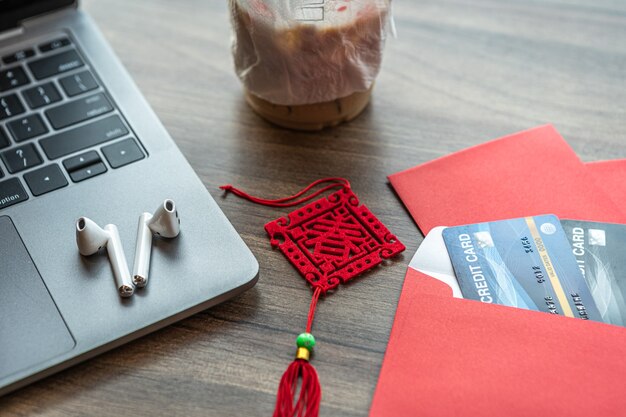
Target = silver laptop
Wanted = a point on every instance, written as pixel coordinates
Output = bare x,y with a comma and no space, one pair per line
78,139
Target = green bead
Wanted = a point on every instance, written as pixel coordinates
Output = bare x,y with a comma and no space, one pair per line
305,340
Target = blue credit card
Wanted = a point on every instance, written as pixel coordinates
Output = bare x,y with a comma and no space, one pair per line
525,263
599,250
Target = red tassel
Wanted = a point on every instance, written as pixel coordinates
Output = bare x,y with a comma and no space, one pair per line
308,403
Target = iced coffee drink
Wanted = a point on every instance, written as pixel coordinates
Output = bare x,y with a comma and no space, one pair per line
308,64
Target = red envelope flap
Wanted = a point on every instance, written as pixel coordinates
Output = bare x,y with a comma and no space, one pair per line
528,173
452,357
426,286
611,177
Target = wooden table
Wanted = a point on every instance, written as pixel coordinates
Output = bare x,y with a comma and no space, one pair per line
459,73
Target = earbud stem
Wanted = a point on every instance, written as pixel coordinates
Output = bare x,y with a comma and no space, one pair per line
118,262
143,249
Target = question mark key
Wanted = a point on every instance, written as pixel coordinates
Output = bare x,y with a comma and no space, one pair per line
21,158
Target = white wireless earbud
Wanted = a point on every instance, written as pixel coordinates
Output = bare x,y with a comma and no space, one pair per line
164,223
90,238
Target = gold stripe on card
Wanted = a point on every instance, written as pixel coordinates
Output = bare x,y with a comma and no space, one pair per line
547,264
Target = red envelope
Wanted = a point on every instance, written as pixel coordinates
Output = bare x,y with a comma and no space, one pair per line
525,174
611,177
455,357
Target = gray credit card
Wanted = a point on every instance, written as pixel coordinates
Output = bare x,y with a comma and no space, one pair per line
600,251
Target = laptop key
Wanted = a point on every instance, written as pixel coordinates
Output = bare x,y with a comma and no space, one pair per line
21,158
55,44
11,192
78,83
18,55
12,78
83,137
78,110
55,64
122,153
46,179
88,172
4,140
10,106
27,127
41,95
81,161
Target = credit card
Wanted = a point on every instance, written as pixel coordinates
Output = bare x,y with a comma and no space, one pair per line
600,251
525,263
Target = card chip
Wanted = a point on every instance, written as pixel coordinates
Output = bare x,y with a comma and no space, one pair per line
484,239
597,237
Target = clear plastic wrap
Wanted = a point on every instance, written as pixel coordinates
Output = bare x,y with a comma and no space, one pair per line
300,52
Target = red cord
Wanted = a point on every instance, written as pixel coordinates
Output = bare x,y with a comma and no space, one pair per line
287,201
316,296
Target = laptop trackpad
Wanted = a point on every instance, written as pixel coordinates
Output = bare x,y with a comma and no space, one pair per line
31,328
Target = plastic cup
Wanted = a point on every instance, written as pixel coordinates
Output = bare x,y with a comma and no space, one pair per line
308,64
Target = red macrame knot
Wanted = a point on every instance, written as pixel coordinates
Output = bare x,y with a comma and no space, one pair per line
331,240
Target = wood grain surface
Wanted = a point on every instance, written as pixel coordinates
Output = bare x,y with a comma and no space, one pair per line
459,73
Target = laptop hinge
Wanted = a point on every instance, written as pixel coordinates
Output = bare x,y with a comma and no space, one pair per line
9,33
18,29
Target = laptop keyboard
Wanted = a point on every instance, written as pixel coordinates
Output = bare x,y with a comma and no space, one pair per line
58,125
